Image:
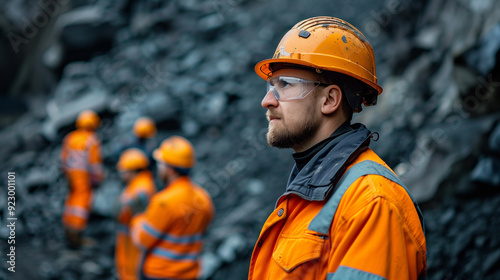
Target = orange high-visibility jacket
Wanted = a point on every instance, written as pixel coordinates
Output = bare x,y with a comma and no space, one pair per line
171,230
141,187
82,164
365,227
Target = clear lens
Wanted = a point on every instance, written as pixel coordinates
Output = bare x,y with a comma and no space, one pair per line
290,88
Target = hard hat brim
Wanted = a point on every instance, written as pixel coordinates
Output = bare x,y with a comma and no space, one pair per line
157,155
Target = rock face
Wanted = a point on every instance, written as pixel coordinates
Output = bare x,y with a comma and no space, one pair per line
189,66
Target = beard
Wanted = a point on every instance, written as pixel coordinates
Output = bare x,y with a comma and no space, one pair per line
288,136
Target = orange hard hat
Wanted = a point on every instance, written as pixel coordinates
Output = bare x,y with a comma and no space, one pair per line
176,151
325,43
88,119
145,128
132,159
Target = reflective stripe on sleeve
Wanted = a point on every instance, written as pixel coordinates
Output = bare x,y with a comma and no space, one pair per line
76,159
76,211
171,237
169,254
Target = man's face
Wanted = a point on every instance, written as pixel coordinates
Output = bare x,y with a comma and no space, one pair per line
292,123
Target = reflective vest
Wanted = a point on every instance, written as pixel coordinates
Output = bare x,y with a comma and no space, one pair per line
367,228
171,231
127,256
81,151
82,164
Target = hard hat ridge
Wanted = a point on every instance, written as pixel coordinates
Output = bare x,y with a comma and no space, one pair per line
176,151
132,159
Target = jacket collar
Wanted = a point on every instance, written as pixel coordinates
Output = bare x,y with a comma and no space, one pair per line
178,182
316,180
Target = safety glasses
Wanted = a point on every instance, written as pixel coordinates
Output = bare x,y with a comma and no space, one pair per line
290,88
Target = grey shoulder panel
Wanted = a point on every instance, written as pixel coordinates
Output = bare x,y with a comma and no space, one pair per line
323,220
349,273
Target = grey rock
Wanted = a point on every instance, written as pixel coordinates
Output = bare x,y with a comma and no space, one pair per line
224,66
182,86
160,106
494,140
428,37
47,270
37,177
491,262
438,149
211,22
104,196
32,136
22,160
212,107
460,244
53,57
445,90
190,128
255,186
482,57
487,171
81,33
65,114
231,246
465,79
447,216
480,241
193,59
92,268
243,212
105,262
209,49
210,263
9,141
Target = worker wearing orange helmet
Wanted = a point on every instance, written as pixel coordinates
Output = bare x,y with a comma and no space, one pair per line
133,167
171,230
82,165
142,137
344,213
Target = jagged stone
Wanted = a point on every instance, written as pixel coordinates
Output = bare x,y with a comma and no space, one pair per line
494,141
105,196
487,171
203,86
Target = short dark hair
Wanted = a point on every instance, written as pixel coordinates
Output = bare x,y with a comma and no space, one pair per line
343,82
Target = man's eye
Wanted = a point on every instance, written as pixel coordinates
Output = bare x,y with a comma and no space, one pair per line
282,84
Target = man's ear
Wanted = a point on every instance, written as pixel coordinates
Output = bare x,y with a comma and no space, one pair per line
332,99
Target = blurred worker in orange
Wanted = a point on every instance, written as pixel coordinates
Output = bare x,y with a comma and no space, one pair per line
344,213
82,165
133,167
170,232
142,138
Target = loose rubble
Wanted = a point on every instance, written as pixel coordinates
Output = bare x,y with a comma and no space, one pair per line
189,66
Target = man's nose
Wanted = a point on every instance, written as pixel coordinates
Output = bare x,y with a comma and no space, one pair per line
269,100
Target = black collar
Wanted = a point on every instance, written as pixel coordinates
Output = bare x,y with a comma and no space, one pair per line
302,158
315,181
